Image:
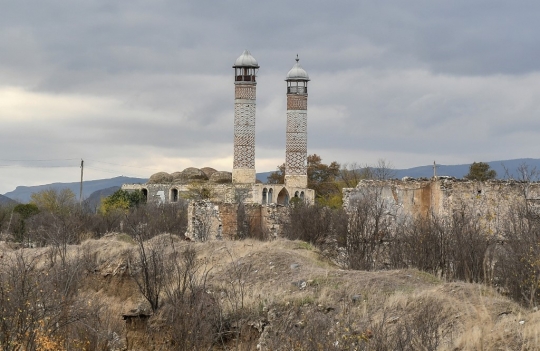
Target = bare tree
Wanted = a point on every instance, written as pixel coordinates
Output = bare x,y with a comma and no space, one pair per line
147,266
369,225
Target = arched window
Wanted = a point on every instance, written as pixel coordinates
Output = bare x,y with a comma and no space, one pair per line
302,195
283,197
265,192
296,194
270,196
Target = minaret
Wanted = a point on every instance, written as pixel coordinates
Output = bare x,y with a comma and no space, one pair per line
245,71
296,141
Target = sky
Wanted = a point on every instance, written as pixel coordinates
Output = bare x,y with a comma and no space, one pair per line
137,87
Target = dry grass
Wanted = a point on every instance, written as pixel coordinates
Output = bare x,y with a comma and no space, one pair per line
291,277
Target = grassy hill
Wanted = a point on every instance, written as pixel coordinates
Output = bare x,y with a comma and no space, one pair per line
279,295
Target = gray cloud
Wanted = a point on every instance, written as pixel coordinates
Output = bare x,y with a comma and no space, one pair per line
148,84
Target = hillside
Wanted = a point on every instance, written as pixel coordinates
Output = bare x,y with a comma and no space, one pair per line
280,295
4,200
23,193
459,171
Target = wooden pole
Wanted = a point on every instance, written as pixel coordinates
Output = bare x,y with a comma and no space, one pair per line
80,194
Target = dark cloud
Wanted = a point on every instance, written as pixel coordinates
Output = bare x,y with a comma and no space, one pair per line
149,83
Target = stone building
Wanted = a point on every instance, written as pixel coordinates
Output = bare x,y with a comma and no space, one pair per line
216,196
490,201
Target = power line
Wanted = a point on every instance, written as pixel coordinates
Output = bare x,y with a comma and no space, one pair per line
29,166
43,160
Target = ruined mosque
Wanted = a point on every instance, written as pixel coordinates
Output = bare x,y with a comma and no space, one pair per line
225,191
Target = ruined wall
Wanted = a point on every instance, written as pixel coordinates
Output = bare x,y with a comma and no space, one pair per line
232,221
219,215
490,201
222,193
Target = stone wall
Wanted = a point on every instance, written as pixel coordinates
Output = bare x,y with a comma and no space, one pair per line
490,201
222,193
224,209
231,221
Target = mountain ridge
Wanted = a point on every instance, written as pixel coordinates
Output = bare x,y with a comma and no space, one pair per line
23,193
504,169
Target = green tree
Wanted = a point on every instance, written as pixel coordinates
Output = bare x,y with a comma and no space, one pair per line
277,177
121,200
480,171
24,212
321,177
54,201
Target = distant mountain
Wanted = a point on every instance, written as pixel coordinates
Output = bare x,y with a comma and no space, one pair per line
93,190
23,193
458,171
93,201
4,200
263,176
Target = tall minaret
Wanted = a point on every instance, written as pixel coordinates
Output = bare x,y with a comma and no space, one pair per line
296,142
245,71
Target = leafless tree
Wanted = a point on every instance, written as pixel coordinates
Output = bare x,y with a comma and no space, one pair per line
370,220
147,265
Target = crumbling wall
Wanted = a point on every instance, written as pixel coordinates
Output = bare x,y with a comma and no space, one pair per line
232,221
204,221
490,201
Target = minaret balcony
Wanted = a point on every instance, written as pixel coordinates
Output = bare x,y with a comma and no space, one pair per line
296,90
244,79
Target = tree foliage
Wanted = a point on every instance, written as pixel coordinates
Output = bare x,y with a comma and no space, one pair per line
480,171
321,177
277,177
26,210
53,200
121,200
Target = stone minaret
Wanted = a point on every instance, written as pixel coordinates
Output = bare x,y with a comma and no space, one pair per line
296,143
245,70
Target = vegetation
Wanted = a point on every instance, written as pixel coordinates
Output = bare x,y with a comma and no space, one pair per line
480,171
280,295
328,180
121,200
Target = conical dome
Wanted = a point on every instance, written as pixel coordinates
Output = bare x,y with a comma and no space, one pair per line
246,60
297,72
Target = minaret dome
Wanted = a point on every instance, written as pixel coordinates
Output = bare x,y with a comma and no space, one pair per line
297,79
245,68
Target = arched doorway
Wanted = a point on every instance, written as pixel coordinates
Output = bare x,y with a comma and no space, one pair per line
283,197
174,195
145,194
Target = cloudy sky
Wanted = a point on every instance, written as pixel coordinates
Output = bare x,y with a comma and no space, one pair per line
136,87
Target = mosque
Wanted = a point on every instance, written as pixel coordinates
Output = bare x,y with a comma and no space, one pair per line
222,189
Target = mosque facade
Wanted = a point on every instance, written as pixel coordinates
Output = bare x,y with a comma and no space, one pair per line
209,190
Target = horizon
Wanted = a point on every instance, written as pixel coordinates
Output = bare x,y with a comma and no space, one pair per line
262,172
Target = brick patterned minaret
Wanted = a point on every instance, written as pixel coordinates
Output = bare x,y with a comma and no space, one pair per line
245,84
296,138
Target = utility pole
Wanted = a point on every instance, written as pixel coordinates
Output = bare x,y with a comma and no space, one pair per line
82,169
